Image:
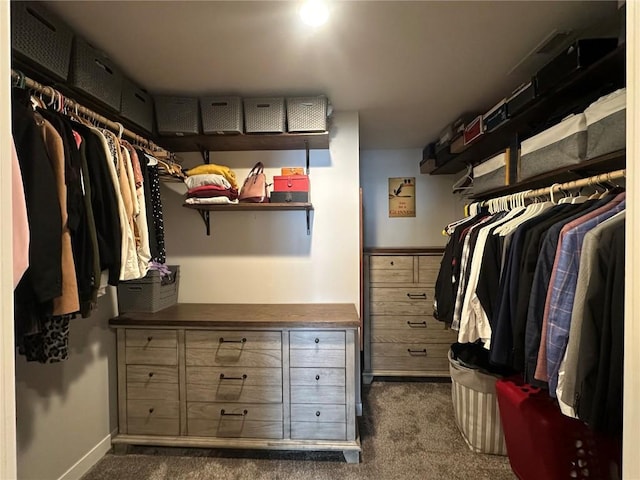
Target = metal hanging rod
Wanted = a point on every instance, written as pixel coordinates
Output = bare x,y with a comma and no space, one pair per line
25,82
583,182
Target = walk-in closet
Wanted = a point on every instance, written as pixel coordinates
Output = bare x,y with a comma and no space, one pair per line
319,239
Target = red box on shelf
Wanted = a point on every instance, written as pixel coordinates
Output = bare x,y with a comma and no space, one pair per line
542,443
474,130
291,183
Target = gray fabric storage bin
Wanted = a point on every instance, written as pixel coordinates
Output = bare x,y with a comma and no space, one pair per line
136,105
221,115
264,115
475,405
177,115
606,124
96,75
307,114
150,293
490,174
41,38
562,145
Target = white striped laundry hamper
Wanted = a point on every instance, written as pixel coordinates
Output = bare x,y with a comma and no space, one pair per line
475,406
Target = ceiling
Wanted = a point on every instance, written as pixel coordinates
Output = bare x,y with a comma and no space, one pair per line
408,68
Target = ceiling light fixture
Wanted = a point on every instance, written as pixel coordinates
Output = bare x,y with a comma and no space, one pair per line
314,12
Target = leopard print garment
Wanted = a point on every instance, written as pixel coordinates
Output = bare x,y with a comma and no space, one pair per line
51,344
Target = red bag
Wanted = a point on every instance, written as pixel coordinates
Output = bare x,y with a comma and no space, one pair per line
254,188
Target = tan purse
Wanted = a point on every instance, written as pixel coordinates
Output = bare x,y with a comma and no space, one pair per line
254,188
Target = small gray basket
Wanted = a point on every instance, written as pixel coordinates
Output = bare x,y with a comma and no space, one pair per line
96,75
177,115
150,293
137,105
41,38
307,114
221,115
264,115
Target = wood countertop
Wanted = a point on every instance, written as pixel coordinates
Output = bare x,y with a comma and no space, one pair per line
272,315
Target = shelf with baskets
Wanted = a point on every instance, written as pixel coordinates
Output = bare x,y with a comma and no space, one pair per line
608,71
595,166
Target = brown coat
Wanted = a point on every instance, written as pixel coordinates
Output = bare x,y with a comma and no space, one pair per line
68,302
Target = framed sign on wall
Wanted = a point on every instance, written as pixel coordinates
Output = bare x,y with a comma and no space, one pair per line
402,197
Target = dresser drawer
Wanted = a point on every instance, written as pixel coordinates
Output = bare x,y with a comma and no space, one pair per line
410,307
233,357
427,357
318,413
409,329
149,338
402,294
318,394
151,356
152,374
318,431
233,340
317,358
391,262
234,420
317,340
158,408
391,276
152,425
151,391
317,376
234,393
428,269
242,376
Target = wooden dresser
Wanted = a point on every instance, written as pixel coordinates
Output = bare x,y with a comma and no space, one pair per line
239,376
401,337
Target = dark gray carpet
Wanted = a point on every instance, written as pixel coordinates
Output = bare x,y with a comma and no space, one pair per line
408,432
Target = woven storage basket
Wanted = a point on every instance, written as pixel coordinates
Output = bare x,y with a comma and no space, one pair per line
96,75
41,38
475,406
136,105
150,293
264,115
177,115
307,114
221,115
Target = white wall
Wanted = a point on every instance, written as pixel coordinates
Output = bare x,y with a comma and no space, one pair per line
66,411
436,206
267,257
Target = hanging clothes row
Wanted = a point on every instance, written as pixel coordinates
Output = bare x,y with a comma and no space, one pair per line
541,286
87,213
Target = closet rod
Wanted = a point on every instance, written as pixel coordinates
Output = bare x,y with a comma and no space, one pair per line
53,94
583,182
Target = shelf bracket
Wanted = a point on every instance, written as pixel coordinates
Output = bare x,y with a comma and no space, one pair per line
308,224
206,219
306,147
205,154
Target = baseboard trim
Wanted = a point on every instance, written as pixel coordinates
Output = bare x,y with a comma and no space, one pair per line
92,457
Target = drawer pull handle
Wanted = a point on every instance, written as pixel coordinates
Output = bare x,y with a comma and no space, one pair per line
422,352
150,374
242,340
225,414
243,377
417,295
318,413
317,340
317,377
149,338
391,262
417,324
151,410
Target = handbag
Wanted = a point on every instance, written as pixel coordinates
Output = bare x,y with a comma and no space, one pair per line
254,188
